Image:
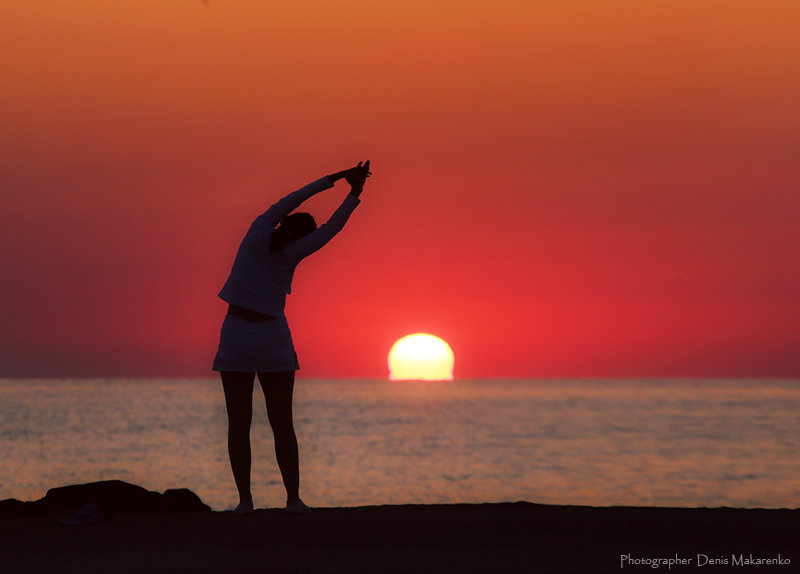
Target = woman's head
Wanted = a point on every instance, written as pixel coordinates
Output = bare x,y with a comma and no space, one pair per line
292,227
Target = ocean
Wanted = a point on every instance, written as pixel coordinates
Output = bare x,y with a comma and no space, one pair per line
370,442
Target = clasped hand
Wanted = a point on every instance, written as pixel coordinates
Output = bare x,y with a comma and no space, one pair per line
356,176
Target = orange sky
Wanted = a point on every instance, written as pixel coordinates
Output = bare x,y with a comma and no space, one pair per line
572,188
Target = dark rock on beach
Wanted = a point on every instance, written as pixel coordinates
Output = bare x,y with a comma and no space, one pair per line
113,496
12,507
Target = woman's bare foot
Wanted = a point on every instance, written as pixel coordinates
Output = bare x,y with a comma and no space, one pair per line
297,506
244,508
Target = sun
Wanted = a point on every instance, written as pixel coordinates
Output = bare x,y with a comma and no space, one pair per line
421,357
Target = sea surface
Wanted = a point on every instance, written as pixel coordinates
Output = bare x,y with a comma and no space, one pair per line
370,442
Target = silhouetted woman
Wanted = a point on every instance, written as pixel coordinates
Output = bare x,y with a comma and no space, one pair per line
255,336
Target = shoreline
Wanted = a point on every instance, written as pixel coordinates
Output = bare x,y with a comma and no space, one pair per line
490,537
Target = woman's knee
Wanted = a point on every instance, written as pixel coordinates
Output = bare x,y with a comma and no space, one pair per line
238,389
239,422
280,419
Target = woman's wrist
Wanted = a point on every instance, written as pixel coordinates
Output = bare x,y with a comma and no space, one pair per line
334,177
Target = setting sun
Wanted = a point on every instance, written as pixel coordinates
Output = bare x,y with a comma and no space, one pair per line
421,357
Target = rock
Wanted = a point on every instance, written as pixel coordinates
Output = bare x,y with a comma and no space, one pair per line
13,507
182,500
113,496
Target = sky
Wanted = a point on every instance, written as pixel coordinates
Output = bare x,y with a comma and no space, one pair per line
581,188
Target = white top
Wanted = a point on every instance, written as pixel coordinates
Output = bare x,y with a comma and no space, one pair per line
260,278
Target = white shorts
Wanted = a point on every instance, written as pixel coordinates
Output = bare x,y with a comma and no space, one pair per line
264,347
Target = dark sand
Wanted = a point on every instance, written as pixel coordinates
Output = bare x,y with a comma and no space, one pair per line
513,537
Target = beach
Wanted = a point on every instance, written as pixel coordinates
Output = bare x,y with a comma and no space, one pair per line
503,537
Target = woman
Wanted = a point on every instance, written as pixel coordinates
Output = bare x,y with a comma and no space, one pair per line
255,337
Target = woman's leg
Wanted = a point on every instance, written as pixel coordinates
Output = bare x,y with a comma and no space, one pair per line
239,404
278,389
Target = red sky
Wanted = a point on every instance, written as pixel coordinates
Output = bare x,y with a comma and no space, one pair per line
561,189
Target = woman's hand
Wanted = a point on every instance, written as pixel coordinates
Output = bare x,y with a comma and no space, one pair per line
357,176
